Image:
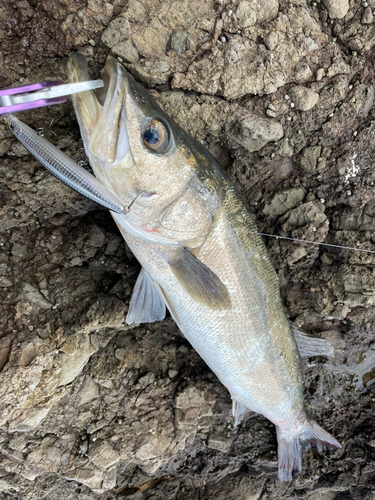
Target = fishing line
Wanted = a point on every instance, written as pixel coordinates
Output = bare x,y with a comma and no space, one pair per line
315,242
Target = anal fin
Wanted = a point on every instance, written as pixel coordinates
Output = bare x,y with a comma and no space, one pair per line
238,411
146,304
202,284
309,345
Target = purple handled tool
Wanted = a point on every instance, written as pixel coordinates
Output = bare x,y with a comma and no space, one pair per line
28,97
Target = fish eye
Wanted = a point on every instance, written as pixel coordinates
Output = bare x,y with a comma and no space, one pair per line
156,137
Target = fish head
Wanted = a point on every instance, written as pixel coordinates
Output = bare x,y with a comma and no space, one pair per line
132,145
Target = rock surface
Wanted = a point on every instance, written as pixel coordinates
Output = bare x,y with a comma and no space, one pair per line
93,409
303,98
253,132
336,8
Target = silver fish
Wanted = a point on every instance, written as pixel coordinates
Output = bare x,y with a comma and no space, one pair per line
201,256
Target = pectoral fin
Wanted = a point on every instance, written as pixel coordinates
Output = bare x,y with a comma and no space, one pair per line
309,345
199,281
146,304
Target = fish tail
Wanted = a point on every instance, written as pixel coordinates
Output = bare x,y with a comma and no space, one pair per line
290,447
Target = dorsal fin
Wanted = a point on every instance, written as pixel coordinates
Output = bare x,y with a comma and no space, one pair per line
310,345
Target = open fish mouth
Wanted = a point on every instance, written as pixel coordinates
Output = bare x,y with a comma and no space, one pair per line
101,115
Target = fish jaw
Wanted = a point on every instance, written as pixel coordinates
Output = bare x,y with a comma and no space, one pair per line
85,103
102,120
103,124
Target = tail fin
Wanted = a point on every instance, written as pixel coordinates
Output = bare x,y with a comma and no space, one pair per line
290,448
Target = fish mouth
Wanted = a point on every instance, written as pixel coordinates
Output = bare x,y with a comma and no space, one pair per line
101,115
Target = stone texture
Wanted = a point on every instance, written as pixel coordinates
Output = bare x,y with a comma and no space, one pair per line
134,11
73,363
118,30
245,15
156,73
88,391
367,16
243,66
303,97
270,40
309,159
103,455
337,9
254,132
284,201
126,51
178,41
303,73
266,10
249,12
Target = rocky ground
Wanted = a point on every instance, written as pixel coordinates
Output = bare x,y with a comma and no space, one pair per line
282,94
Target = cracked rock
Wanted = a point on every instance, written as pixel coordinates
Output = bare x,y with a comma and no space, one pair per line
90,475
139,400
103,455
72,364
88,391
245,65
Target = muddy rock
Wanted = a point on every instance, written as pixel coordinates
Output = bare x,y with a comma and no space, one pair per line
303,98
117,31
283,202
223,70
126,51
311,159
